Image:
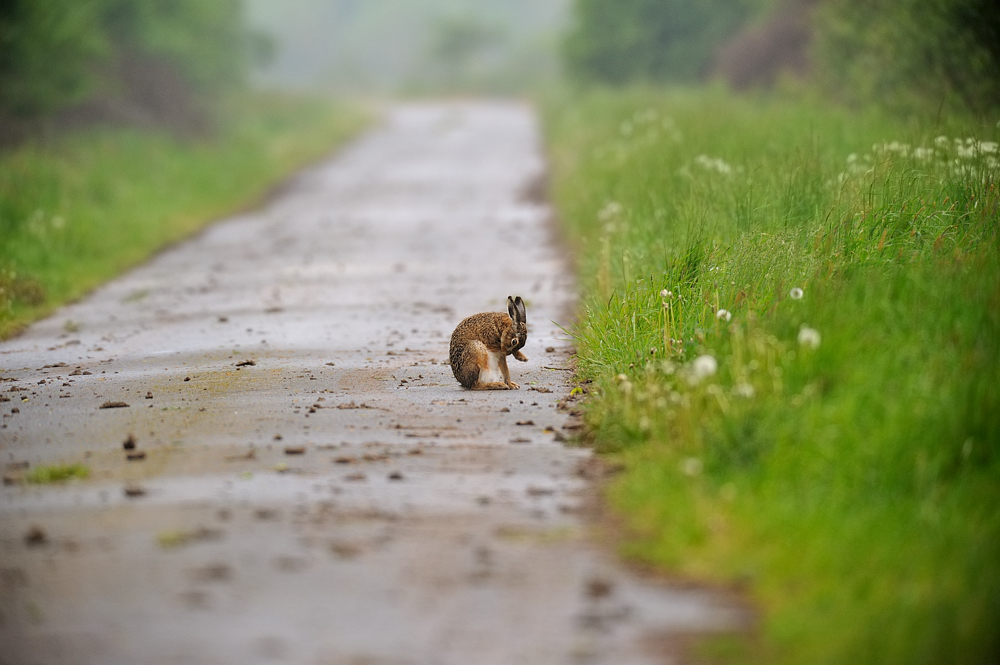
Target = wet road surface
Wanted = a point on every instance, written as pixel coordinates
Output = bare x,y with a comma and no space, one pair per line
312,484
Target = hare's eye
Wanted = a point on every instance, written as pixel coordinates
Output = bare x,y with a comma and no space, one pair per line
513,340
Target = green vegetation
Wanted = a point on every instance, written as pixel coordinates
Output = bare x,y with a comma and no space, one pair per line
791,323
79,211
907,54
56,473
651,40
58,53
912,53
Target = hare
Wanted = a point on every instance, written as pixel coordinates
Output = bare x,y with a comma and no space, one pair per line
481,343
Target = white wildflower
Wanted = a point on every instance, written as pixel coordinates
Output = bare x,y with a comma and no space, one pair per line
809,337
691,466
724,315
713,164
703,367
744,390
796,293
610,210
666,294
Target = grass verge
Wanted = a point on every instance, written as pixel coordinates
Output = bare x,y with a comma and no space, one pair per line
792,328
75,213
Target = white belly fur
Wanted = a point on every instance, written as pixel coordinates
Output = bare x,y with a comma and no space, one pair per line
491,373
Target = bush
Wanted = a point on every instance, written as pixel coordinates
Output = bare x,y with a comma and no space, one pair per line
615,41
911,53
59,53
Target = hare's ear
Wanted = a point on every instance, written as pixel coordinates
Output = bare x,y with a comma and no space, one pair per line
519,306
511,309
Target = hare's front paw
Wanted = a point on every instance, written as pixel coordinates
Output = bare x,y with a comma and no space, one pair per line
513,386
520,356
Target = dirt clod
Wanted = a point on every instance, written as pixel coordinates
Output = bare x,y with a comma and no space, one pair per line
213,572
136,456
395,475
113,405
129,443
598,587
525,422
295,450
35,537
134,491
345,550
352,405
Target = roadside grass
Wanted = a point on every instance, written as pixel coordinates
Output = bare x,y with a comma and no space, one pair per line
80,210
791,323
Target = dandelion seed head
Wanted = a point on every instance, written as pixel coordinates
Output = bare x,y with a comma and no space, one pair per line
744,390
809,337
703,367
666,294
610,210
724,315
691,466
713,164
796,293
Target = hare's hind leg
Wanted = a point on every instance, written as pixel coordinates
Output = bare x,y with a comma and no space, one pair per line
495,385
492,372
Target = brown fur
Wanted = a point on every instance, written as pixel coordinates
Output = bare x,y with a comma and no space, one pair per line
480,335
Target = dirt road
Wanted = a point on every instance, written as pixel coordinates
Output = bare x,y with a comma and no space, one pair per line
313,486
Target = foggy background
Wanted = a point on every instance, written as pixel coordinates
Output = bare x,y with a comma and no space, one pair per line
409,46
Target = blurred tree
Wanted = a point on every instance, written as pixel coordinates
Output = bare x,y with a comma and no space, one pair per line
912,52
615,41
458,38
46,53
142,60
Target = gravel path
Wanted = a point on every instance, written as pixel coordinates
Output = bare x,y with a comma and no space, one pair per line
315,486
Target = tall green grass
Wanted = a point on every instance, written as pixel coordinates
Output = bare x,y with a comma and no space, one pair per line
78,211
791,319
